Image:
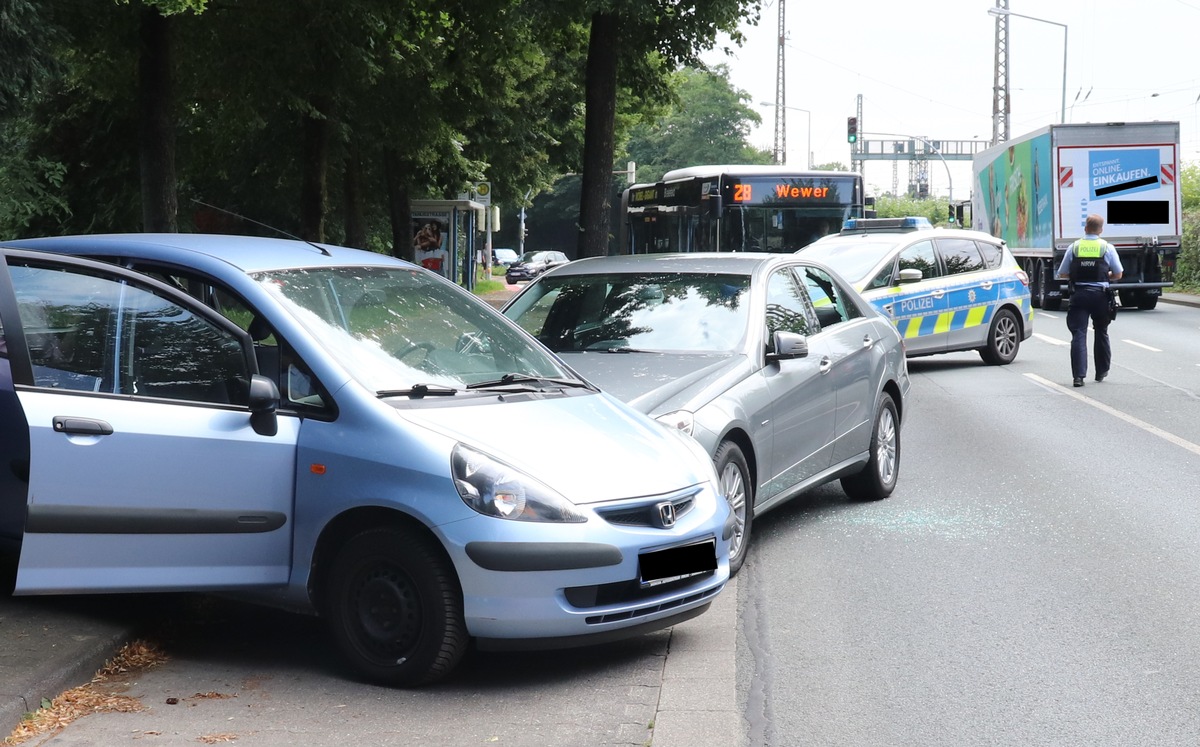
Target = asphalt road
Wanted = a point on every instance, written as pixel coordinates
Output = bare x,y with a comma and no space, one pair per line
1034,580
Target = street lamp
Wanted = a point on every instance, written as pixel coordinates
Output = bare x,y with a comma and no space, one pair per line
998,12
808,156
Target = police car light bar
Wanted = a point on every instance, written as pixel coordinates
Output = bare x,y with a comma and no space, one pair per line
862,225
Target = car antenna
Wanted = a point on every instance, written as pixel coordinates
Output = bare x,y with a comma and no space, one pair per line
318,247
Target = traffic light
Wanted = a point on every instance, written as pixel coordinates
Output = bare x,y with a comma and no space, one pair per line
851,129
951,206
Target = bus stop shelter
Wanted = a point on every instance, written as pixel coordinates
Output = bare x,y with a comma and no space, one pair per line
444,233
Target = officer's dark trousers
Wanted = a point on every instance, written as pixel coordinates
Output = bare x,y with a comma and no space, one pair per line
1089,303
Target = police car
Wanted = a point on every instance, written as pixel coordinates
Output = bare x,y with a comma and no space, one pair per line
945,289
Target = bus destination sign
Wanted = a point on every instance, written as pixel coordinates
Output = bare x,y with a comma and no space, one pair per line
782,191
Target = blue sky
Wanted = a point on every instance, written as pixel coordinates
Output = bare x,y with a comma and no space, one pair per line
925,68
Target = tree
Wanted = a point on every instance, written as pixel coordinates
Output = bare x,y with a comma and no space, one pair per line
708,121
647,36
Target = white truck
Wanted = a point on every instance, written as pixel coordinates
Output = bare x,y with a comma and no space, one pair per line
1035,191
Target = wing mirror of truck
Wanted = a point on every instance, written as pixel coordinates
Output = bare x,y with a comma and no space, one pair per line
264,400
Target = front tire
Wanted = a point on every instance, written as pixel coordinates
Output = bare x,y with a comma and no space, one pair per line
394,607
878,478
733,475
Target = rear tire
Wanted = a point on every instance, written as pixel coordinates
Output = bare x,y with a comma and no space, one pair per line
1003,340
733,475
394,607
877,479
1147,302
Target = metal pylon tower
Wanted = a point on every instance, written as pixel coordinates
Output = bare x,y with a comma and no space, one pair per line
780,96
1000,105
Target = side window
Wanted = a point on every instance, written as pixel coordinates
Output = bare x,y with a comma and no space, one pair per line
101,334
828,298
788,306
920,256
960,255
297,385
993,255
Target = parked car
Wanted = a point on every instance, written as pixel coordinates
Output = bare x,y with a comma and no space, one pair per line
338,431
784,374
532,264
944,289
504,257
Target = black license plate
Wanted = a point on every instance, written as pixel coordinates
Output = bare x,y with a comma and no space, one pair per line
662,566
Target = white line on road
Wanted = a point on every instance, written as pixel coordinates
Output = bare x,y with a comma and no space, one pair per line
1143,347
1051,340
1152,430
1048,316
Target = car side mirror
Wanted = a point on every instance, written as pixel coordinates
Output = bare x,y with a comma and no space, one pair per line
263,401
786,346
911,275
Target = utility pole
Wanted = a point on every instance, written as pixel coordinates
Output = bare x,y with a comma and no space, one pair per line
780,96
1000,104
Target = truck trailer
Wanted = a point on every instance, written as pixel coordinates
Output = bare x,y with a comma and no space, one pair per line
1036,190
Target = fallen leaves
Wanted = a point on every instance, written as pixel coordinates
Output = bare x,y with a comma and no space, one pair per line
93,697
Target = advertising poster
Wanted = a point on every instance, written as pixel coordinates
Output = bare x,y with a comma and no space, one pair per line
431,241
1016,192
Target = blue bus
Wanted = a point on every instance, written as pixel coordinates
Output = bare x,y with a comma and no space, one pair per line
738,209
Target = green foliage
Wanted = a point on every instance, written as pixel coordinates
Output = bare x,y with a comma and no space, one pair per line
707,121
936,209
1189,184
1187,268
832,166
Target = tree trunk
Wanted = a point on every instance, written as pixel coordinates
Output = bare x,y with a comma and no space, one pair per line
595,202
356,224
399,207
314,188
160,203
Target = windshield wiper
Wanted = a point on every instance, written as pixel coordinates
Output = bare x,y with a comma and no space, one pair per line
517,378
419,390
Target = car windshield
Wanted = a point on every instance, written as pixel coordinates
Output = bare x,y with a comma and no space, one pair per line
535,256
646,311
852,257
396,329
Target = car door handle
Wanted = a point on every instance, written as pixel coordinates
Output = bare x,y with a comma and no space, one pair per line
826,365
867,341
938,293
986,285
81,426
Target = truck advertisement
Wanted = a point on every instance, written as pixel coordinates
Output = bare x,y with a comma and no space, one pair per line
1036,191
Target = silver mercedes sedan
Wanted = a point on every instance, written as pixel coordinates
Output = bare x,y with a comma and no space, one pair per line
781,371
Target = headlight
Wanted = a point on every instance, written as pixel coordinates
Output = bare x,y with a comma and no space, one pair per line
680,420
493,488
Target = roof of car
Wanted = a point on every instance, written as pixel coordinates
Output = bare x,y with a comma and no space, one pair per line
249,254
891,236
726,262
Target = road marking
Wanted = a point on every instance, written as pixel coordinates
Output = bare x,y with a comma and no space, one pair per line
1051,340
1144,347
1152,430
1048,316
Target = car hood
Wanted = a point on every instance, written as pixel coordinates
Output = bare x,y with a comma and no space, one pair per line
658,383
590,447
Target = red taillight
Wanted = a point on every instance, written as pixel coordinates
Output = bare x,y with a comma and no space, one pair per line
1023,278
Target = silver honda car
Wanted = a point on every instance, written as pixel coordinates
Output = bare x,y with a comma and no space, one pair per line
781,371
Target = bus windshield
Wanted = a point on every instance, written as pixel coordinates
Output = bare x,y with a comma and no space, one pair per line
738,209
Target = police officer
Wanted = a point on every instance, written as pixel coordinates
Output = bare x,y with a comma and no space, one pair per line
1089,265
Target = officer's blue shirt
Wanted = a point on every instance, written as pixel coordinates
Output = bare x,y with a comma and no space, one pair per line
1110,256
